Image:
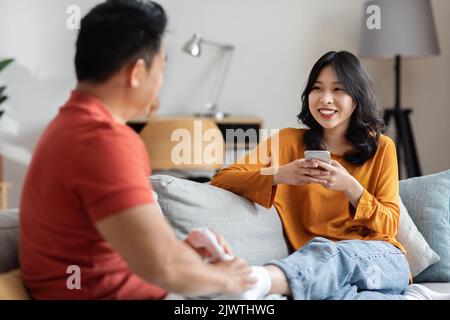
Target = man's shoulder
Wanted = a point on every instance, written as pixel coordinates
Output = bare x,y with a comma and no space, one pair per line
69,137
104,139
97,131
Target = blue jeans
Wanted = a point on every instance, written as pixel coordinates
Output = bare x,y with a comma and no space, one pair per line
346,270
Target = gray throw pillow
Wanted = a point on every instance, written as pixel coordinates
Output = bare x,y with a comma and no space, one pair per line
9,240
418,253
253,232
427,199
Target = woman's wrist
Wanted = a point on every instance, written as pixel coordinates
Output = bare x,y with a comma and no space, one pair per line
274,179
275,175
354,192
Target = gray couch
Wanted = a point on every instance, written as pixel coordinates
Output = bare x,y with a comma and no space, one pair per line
256,234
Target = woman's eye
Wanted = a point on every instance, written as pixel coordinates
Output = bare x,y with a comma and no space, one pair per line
315,88
339,89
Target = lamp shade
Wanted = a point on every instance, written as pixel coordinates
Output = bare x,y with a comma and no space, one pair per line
407,29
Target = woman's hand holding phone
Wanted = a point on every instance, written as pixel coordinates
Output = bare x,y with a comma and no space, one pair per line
300,172
332,176
341,180
338,179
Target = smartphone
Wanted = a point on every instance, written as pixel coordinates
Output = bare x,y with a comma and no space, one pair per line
318,154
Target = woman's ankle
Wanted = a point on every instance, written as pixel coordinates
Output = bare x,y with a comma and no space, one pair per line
280,284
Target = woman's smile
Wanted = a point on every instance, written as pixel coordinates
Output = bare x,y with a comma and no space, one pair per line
327,113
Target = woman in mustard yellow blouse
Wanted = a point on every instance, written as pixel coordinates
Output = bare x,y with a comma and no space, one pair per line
341,218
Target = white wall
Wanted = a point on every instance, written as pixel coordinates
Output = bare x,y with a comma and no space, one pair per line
276,44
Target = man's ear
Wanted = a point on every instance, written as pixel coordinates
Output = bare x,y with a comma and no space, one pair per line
136,73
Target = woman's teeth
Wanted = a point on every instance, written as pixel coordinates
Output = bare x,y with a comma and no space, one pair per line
327,111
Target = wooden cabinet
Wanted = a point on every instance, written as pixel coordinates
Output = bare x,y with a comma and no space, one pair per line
4,186
240,133
244,122
177,143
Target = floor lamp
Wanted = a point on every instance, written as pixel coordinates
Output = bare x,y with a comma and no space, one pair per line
406,30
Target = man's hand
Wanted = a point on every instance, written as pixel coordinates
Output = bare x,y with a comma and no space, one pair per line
146,241
203,252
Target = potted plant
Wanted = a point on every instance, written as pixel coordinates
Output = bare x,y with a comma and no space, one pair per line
3,98
10,127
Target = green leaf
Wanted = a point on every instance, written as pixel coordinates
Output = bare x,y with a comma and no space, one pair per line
5,63
3,99
2,89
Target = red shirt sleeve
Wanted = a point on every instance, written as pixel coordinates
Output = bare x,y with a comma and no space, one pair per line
111,173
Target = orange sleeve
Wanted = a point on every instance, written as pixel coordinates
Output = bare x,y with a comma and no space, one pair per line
252,176
380,212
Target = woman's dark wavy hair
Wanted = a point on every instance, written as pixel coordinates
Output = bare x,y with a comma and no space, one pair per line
365,125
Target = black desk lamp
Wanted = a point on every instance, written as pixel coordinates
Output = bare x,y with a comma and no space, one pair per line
406,30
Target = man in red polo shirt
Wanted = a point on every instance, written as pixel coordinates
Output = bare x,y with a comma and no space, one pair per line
90,228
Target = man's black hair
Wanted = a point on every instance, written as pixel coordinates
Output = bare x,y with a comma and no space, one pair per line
115,33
